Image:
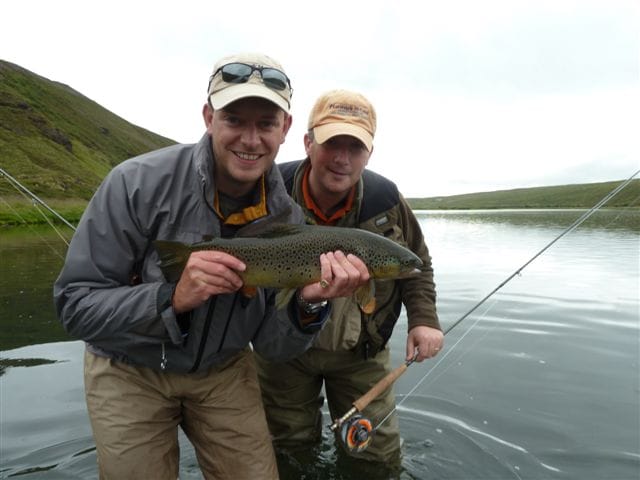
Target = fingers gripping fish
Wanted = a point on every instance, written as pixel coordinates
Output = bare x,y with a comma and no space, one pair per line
288,257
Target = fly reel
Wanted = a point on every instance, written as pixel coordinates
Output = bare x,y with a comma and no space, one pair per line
356,433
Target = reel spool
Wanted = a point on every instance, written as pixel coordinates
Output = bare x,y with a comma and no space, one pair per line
356,433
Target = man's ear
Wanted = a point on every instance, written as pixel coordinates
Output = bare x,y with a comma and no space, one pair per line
207,114
288,120
370,153
307,144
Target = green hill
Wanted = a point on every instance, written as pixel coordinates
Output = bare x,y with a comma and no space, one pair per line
561,196
60,145
57,142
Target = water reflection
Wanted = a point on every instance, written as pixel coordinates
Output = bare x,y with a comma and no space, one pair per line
542,381
616,219
22,362
31,260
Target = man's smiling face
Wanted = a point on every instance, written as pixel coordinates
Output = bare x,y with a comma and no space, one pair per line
246,136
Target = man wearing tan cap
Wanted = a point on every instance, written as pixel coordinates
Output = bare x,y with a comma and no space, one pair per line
166,353
350,354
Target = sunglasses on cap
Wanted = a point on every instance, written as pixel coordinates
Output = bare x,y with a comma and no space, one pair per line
241,72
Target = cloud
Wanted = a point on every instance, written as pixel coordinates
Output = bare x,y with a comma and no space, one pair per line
471,96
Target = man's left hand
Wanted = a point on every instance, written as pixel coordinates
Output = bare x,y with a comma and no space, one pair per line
341,275
427,341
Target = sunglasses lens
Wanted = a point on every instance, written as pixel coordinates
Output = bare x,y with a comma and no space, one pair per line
236,72
274,79
241,72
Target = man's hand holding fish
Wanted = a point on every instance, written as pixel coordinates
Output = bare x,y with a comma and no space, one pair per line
210,272
207,273
341,276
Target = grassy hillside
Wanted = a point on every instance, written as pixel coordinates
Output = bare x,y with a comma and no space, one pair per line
561,196
60,145
57,142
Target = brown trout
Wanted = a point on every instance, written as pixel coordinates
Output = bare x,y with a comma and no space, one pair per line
288,256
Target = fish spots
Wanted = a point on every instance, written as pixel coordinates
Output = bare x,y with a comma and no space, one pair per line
292,259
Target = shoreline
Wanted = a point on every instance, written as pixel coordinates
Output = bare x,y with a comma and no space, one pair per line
17,211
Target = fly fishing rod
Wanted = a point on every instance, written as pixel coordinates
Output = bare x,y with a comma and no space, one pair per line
356,431
17,185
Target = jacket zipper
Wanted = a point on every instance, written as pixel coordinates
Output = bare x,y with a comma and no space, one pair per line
207,327
205,334
212,304
210,310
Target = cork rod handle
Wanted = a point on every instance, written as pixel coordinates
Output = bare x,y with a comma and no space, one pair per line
379,387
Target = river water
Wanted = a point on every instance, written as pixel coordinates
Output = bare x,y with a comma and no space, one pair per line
541,381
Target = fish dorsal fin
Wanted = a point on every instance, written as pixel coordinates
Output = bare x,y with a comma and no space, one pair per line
263,225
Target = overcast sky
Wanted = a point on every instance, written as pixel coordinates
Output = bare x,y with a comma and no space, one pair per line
471,95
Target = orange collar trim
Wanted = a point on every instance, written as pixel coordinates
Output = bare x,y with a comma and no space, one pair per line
313,207
247,214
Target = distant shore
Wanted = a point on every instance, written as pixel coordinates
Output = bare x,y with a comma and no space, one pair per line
562,196
16,210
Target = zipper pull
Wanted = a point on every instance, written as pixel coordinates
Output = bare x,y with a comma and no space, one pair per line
163,359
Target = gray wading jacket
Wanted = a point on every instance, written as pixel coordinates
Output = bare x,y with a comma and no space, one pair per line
166,194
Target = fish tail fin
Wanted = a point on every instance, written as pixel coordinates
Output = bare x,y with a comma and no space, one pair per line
173,258
366,297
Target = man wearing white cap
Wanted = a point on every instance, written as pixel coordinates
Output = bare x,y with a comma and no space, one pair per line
350,354
162,353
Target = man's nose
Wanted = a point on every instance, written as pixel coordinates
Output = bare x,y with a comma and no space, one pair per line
250,135
341,155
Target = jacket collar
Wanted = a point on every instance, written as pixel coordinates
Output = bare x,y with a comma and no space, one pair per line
277,199
350,217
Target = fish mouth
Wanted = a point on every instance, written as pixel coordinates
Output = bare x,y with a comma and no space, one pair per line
410,273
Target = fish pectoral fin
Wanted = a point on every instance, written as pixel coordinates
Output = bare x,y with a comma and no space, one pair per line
366,297
248,292
283,297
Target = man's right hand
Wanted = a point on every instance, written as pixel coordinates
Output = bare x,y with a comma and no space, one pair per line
206,274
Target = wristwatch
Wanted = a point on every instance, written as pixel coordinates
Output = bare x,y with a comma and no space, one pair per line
309,308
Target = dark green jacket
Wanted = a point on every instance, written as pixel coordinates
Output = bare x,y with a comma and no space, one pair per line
380,208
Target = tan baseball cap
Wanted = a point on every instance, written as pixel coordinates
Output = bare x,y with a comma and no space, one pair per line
341,112
249,75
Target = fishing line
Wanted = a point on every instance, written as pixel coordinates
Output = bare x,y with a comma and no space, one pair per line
517,272
441,359
48,220
26,193
21,188
571,227
44,240
623,211
453,347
